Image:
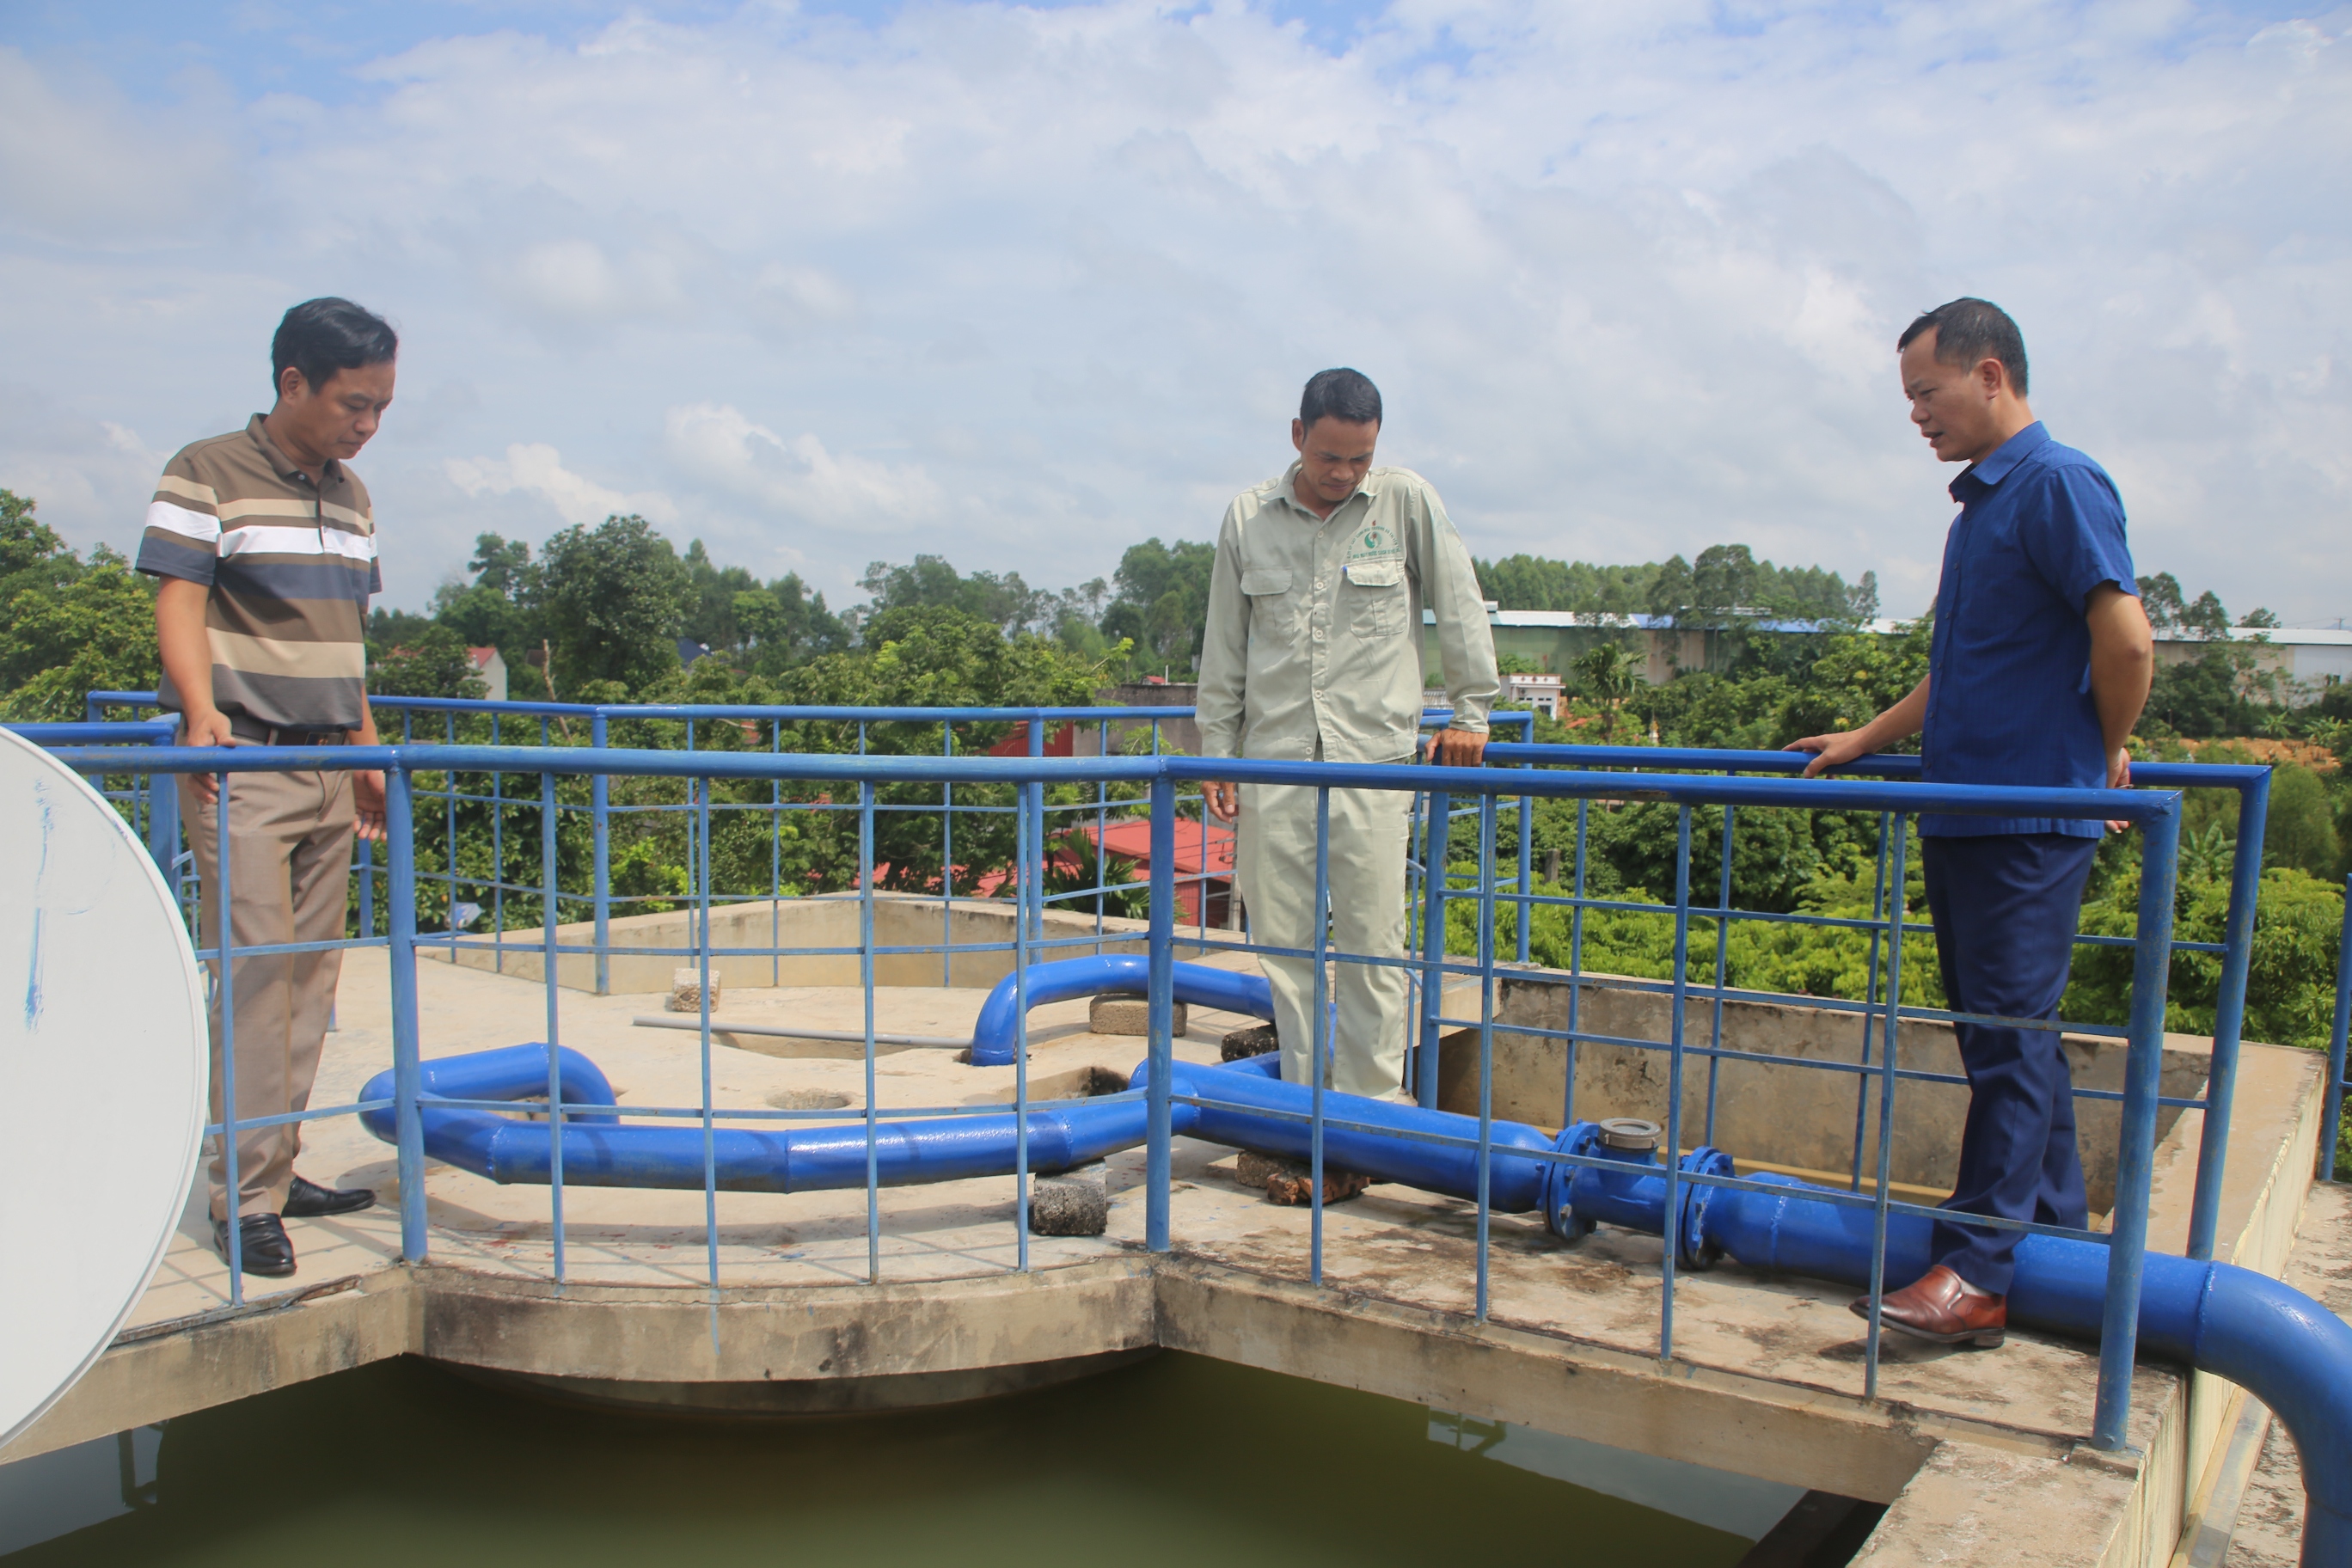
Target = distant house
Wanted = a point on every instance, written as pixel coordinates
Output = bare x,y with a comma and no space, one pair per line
689,650
1203,867
1541,692
1204,863
491,665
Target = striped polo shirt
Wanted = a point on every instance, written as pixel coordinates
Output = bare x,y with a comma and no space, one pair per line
290,564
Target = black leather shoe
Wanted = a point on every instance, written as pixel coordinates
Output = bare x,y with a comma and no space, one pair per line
261,1244
309,1200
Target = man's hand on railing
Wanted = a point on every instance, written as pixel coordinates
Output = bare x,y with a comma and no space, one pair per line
1224,800
367,803
208,727
2119,777
1458,747
1829,750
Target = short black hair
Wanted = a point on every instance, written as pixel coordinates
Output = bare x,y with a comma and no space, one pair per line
1347,396
319,337
1969,330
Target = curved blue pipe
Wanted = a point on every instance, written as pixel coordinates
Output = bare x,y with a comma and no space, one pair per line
599,1153
997,1032
2290,1351
2287,1350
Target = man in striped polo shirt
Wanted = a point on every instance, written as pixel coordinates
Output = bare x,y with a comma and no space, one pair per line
265,543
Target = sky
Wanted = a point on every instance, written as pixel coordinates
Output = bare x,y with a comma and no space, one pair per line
825,284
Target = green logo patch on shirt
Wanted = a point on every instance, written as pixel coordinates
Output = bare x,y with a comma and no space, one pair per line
1374,540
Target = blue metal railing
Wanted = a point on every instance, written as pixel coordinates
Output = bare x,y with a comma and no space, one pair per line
2331,1121
2251,784
1540,773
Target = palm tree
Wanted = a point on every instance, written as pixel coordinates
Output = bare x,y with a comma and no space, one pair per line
1607,671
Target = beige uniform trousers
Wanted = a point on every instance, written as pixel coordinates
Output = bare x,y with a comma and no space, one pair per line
1274,864
289,874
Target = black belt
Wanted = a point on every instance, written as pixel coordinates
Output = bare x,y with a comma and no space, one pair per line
254,730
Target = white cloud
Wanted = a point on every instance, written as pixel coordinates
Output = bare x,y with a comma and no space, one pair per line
537,469
797,476
1025,284
79,164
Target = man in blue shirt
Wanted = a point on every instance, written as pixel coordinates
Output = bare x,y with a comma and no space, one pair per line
2037,671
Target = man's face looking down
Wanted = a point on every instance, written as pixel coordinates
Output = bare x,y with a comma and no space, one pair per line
331,421
1334,456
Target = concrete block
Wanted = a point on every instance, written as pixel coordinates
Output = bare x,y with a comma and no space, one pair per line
685,990
1254,1041
1291,1183
1076,1203
1127,1015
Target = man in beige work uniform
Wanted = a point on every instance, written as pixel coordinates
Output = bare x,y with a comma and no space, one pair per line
1314,652
266,547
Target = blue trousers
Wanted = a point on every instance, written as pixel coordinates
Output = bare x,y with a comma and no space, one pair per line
2005,908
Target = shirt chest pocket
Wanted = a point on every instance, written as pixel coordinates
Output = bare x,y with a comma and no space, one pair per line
1376,598
1270,598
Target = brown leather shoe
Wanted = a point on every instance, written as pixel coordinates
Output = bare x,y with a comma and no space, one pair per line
1935,1308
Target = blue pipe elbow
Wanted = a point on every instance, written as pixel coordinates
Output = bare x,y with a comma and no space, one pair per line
511,1072
997,1032
2266,1337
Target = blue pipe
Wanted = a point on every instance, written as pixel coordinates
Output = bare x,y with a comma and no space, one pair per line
996,1033
2287,1350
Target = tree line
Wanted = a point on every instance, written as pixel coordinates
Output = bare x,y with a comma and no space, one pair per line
595,615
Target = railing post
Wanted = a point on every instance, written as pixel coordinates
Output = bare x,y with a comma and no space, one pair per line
548,961
1033,801
219,896
407,1073
164,820
2331,1123
1433,947
2136,1140
1527,853
2229,1016
1163,1012
599,816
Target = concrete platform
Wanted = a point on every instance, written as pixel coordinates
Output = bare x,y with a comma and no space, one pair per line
1765,1378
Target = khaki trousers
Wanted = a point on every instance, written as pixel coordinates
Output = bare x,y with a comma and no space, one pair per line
288,878
1274,864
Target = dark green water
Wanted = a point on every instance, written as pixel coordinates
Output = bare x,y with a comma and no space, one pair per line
1174,1460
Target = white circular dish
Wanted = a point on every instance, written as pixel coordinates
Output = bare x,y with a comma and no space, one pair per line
103,1075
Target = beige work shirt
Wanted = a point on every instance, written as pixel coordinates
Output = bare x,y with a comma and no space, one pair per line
1315,624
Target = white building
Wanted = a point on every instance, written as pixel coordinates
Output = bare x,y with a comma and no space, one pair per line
1541,692
491,665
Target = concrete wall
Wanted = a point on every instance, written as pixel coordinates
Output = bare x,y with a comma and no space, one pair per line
1795,1117
900,920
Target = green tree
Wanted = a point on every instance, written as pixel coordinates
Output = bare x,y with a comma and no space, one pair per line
1857,676
2160,596
1162,603
930,582
612,600
2203,696
785,626
1578,587
31,554
489,612
711,618
2299,829
435,664
1607,673
95,632
70,626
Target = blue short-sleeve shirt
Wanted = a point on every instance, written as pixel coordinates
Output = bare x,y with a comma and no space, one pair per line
2009,665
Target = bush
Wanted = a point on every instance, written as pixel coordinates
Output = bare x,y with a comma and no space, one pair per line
2290,979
